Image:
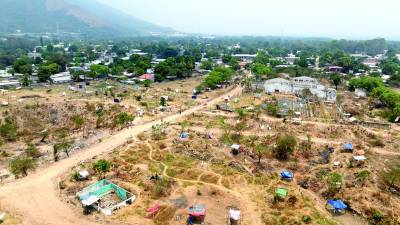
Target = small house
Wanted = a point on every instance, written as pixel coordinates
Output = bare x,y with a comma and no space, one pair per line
147,76
335,69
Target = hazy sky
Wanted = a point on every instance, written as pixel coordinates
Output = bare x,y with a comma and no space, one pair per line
305,18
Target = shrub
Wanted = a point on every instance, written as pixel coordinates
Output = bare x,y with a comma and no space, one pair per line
306,219
21,165
391,175
334,182
32,151
285,145
102,166
8,129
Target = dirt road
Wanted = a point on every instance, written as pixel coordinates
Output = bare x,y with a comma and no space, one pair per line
36,197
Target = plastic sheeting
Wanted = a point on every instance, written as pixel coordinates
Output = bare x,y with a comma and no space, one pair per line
337,204
234,214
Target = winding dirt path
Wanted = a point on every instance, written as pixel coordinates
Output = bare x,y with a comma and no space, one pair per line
36,198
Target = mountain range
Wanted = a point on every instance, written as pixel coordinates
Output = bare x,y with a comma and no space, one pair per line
87,18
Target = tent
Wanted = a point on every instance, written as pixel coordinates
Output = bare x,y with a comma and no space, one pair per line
348,147
234,216
337,205
235,146
83,174
196,214
286,175
184,135
235,149
197,210
359,158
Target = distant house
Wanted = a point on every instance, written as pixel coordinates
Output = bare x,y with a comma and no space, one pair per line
371,62
34,55
361,93
157,61
9,83
147,76
291,59
64,77
335,69
245,57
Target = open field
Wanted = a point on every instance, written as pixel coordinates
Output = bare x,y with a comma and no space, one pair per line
202,169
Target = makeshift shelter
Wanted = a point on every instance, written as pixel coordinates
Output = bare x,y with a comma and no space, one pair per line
235,149
197,214
234,216
99,196
337,205
348,147
152,211
359,159
184,135
83,175
287,175
281,193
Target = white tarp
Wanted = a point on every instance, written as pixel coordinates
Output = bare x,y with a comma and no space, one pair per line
84,174
235,146
234,214
359,158
89,201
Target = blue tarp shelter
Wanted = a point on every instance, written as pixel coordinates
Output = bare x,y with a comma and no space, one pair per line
337,204
184,135
348,147
287,175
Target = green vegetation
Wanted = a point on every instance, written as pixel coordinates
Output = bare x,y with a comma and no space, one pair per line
285,146
32,151
21,165
217,77
334,182
368,83
8,129
390,176
46,70
376,89
123,119
101,167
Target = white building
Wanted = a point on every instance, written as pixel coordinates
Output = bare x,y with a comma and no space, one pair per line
245,57
297,85
291,59
64,77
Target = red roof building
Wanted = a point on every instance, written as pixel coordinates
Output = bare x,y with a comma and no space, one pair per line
147,76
